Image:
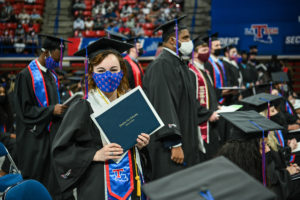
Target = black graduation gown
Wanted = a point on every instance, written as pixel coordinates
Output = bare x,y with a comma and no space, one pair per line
73,150
130,74
33,137
169,86
215,128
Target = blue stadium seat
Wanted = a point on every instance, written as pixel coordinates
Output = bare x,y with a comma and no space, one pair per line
11,178
27,190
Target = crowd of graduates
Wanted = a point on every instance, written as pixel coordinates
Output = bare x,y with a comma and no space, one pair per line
190,83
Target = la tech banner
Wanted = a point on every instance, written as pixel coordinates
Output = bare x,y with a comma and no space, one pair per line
274,26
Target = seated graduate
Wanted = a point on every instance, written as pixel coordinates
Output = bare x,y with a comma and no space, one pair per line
249,150
82,160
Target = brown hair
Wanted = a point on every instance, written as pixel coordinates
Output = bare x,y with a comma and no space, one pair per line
124,86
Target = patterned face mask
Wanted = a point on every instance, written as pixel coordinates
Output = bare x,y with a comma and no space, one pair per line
51,63
108,82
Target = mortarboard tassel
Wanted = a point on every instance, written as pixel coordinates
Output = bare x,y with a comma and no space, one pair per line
266,100
137,177
61,54
271,88
86,74
263,152
176,33
209,45
108,35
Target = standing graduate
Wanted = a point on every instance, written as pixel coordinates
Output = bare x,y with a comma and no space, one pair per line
206,95
82,159
216,68
170,87
38,112
134,68
230,62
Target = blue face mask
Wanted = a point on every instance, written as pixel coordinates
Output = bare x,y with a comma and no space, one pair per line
51,63
108,82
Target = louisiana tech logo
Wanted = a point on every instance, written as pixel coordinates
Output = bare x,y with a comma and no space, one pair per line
262,32
119,175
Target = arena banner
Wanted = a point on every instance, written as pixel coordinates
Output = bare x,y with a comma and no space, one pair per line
149,44
274,26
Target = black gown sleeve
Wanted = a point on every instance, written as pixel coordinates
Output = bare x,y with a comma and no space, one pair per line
161,87
74,146
26,104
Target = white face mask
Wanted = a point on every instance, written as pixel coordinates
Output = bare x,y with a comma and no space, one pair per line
186,48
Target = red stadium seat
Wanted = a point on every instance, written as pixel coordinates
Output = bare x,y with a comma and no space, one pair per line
100,33
76,13
11,25
87,13
25,26
88,33
77,65
37,27
148,26
148,33
2,26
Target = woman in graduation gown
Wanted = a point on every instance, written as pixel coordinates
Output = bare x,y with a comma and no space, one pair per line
81,159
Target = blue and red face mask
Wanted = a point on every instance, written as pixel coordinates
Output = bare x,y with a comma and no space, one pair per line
108,82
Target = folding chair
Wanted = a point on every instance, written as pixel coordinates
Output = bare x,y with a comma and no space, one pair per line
14,176
27,190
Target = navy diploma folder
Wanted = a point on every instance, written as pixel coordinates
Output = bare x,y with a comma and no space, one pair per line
127,117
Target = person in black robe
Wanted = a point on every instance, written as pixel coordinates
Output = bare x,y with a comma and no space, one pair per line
218,72
245,149
7,132
38,114
230,61
170,87
208,132
249,75
134,68
81,157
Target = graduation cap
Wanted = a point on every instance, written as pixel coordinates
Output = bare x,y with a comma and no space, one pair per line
218,179
251,47
200,40
280,77
228,47
115,35
214,36
96,48
133,40
101,45
51,42
259,102
248,124
169,27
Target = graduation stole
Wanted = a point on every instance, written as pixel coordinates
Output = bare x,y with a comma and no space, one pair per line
2,128
288,108
119,178
223,71
218,79
39,85
279,137
137,71
203,98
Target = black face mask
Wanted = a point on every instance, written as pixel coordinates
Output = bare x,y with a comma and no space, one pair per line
217,52
2,99
140,51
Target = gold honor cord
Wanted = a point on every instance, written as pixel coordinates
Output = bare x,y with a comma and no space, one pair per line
137,177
